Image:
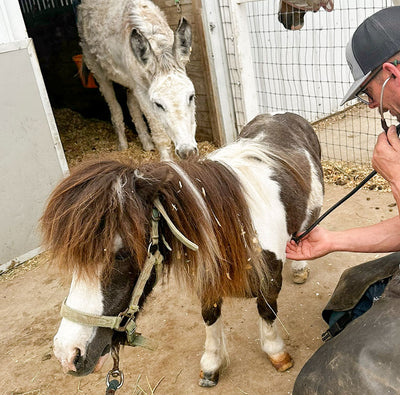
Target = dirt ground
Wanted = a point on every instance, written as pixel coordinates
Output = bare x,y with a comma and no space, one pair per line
30,298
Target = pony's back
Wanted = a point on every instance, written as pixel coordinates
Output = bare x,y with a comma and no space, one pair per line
277,159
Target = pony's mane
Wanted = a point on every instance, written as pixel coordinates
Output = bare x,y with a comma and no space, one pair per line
205,200
102,200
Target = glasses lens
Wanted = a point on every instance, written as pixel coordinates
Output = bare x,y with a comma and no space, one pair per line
363,97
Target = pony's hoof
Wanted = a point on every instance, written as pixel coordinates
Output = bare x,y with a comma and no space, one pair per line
300,276
281,362
208,379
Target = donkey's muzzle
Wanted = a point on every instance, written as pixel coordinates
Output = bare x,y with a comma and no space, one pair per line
186,151
293,20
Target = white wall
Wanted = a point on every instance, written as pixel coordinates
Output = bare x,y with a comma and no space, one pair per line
12,27
31,157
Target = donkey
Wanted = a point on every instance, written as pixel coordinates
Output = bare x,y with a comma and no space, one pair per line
291,12
129,42
238,207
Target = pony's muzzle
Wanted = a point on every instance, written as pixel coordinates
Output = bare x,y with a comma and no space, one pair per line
186,151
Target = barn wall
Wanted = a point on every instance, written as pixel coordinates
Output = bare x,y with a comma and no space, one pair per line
31,158
208,127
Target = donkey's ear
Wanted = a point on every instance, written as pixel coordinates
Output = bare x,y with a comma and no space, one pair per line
141,47
182,42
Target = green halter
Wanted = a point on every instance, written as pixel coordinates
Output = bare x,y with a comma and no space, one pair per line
125,321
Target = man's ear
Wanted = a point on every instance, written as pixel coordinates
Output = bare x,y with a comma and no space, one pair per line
392,69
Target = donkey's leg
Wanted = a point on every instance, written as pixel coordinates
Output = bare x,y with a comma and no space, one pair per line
160,138
300,271
271,343
137,119
215,355
117,117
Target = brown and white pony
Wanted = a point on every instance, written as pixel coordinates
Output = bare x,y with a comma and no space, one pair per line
240,205
291,12
129,42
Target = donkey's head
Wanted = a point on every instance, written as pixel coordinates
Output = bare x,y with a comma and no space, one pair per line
292,18
167,93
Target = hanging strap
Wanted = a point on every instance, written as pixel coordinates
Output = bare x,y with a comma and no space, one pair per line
189,244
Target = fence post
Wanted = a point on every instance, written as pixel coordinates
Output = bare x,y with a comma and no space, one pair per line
244,60
219,72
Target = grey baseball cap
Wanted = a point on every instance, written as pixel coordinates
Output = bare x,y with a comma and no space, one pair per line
375,41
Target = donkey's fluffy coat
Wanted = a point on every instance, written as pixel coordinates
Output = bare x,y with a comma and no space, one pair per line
129,42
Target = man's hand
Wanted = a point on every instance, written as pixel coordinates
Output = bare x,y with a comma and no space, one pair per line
316,244
386,156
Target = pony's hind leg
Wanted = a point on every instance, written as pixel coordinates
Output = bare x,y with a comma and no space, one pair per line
138,121
117,117
215,355
300,271
271,342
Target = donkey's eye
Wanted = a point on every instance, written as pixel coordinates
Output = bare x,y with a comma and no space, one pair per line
159,106
191,97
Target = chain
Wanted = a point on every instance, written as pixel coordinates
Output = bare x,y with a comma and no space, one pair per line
114,384
178,6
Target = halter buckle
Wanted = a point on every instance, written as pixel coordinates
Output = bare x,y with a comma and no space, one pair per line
127,319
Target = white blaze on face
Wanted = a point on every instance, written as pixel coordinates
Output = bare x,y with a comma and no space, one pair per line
84,296
173,98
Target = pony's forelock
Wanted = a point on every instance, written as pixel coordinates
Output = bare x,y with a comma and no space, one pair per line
87,211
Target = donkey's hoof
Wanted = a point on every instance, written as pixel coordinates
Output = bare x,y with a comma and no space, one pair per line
148,146
300,276
122,146
208,379
281,362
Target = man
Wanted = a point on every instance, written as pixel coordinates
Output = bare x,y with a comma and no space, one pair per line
364,357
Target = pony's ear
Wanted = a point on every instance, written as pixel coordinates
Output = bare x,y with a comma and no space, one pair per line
141,47
182,42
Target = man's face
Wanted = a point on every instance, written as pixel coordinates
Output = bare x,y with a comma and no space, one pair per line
391,94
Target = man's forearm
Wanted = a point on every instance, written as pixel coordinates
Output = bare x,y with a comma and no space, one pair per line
381,237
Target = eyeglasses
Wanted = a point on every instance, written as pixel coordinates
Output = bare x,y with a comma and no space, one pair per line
363,95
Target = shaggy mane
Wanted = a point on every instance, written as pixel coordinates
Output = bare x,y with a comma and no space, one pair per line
102,200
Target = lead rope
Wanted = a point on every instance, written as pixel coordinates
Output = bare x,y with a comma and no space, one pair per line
114,384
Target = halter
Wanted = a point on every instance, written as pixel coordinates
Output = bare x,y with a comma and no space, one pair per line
125,321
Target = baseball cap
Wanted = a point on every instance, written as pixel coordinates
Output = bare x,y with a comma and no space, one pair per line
372,44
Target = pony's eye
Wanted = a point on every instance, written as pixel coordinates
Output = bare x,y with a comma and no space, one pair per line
191,97
159,106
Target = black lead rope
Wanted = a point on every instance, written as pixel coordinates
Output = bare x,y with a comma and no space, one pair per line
351,193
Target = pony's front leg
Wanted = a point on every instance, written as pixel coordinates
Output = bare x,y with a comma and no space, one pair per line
300,271
215,355
271,342
117,116
138,121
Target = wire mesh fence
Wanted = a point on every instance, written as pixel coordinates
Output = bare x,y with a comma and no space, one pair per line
305,71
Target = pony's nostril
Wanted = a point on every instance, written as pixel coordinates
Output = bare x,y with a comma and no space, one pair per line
77,359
